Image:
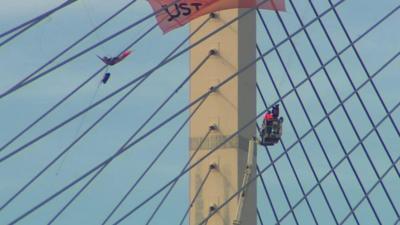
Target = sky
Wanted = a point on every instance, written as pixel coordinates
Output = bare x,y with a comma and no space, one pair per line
36,46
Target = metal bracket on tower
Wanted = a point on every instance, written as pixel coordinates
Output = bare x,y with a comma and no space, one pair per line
247,174
213,52
213,127
213,15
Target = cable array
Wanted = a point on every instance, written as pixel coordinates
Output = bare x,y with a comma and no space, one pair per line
95,104
313,132
30,23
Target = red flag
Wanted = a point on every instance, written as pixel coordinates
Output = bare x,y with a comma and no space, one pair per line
180,13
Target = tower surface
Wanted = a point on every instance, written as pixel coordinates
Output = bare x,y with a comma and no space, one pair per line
229,108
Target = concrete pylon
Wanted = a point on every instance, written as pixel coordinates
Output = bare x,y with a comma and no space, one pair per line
229,108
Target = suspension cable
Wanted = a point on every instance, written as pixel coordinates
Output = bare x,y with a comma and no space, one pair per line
280,156
364,68
132,25
392,59
397,221
337,165
38,18
80,86
63,52
368,116
134,135
211,168
27,81
82,39
259,216
160,125
265,169
305,110
172,58
86,132
362,104
264,185
20,32
284,147
131,189
280,182
211,128
110,159
376,184
347,155
139,79
172,185
201,159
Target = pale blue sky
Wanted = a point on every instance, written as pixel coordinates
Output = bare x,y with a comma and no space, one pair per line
33,48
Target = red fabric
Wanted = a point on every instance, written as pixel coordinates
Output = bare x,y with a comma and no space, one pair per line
122,56
184,11
125,54
268,116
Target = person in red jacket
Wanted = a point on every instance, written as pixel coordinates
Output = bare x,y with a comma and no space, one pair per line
268,117
266,126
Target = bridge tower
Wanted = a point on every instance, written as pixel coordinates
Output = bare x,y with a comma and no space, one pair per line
229,108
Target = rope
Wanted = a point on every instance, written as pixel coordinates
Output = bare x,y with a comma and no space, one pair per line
88,12
78,128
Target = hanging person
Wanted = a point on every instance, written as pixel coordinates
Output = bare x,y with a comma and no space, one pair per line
111,61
